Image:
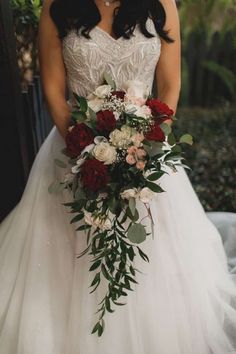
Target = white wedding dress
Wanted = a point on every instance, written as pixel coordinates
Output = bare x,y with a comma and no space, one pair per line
185,300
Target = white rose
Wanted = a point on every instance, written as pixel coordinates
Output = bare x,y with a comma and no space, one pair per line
144,112
106,224
129,193
122,138
146,195
96,104
102,91
105,152
134,88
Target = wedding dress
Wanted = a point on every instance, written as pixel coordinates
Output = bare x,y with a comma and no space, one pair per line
185,300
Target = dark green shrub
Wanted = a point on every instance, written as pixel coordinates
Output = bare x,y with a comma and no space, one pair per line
212,158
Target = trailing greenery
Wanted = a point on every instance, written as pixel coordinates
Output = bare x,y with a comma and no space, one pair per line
212,158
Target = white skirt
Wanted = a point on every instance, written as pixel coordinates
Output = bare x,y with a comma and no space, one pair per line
185,302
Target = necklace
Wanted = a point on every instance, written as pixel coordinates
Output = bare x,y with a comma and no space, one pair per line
108,2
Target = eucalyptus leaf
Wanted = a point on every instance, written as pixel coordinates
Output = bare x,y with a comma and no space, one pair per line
166,128
56,187
187,139
60,163
171,139
109,80
137,233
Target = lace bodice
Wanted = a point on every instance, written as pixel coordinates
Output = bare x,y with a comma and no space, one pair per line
87,60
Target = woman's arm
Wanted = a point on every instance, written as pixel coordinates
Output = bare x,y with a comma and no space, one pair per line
168,72
52,70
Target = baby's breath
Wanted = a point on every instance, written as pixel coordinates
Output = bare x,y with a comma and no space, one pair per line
112,103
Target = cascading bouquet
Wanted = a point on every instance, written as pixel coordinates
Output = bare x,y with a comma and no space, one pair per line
119,145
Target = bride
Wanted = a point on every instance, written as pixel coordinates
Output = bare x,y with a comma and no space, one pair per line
185,301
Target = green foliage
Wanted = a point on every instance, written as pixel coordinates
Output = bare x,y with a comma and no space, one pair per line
212,157
227,77
209,51
208,15
26,12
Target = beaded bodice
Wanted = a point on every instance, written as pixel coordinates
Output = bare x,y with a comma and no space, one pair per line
86,60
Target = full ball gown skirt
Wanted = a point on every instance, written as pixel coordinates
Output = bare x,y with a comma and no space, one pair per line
183,304
185,300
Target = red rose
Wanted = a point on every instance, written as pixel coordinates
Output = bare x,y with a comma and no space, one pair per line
118,94
94,175
156,133
106,121
78,138
159,108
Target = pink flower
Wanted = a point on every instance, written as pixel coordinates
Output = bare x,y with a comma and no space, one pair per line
138,139
140,165
141,153
132,150
130,159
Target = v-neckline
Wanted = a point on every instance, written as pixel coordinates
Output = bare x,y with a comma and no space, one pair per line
108,34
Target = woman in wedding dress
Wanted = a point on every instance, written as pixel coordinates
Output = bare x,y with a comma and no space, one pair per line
185,301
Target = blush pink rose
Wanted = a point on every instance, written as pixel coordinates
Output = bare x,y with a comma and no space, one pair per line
130,159
141,153
140,165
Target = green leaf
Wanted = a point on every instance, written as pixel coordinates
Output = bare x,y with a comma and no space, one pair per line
60,163
187,139
92,114
154,187
77,218
83,105
155,176
95,265
177,149
171,139
83,227
109,80
119,303
79,204
166,128
95,280
137,233
80,194
56,187
132,205
143,255
105,272
79,116
108,305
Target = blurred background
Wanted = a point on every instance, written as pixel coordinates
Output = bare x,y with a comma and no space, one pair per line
207,106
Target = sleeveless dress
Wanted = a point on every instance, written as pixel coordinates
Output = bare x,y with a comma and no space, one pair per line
185,300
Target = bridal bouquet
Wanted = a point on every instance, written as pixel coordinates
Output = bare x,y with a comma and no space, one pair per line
119,145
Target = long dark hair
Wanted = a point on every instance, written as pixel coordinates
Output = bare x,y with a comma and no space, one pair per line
84,15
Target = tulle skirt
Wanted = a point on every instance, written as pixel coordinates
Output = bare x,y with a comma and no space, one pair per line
185,302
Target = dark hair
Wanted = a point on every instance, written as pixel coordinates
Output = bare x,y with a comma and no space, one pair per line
84,15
